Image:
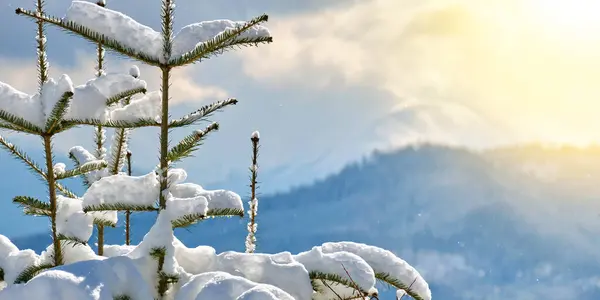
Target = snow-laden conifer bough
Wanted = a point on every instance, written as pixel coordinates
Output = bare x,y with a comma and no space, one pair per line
160,266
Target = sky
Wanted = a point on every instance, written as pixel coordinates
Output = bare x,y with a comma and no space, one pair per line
344,77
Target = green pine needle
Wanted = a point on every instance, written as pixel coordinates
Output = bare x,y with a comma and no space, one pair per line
20,124
190,144
225,41
118,207
69,240
202,113
396,283
31,272
32,206
117,98
58,112
83,169
92,36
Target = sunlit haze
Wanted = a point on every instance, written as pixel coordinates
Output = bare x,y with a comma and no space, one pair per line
469,72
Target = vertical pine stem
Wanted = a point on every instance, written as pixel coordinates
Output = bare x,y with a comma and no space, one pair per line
42,63
167,27
100,137
251,238
128,212
58,258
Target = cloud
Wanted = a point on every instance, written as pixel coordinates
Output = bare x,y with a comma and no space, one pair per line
499,61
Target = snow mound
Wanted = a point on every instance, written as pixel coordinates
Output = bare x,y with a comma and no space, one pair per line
111,277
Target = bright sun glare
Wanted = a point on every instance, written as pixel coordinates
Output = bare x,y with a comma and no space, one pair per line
577,17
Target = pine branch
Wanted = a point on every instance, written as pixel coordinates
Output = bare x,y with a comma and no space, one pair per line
122,297
11,127
32,206
396,283
31,272
111,123
118,207
227,40
190,144
118,150
104,222
22,156
92,36
191,219
72,241
335,278
23,125
83,169
187,220
1,275
59,111
202,113
117,98
86,182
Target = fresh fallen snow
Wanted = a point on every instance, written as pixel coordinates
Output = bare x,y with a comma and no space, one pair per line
384,261
255,135
146,107
193,35
13,261
110,277
221,285
116,26
342,264
120,188
71,221
88,102
217,199
83,156
145,40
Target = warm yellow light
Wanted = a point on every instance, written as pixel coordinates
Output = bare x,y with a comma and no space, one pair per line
577,17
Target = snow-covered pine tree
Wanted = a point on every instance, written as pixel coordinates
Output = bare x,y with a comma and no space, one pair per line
160,266
46,114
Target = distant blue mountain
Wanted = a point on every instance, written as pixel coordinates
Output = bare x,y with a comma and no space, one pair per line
516,223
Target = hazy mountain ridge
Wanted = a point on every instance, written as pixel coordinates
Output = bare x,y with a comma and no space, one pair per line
477,225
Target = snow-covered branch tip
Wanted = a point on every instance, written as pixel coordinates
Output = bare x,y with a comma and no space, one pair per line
252,225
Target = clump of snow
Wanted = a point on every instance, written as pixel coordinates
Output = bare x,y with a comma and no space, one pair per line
83,156
59,169
217,199
117,276
384,261
52,92
255,135
134,71
71,221
14,261
116,26
340,263
221,285
89,100
145,40
117,250
71,254
123,189
193,35
146,107
179,207
37,108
